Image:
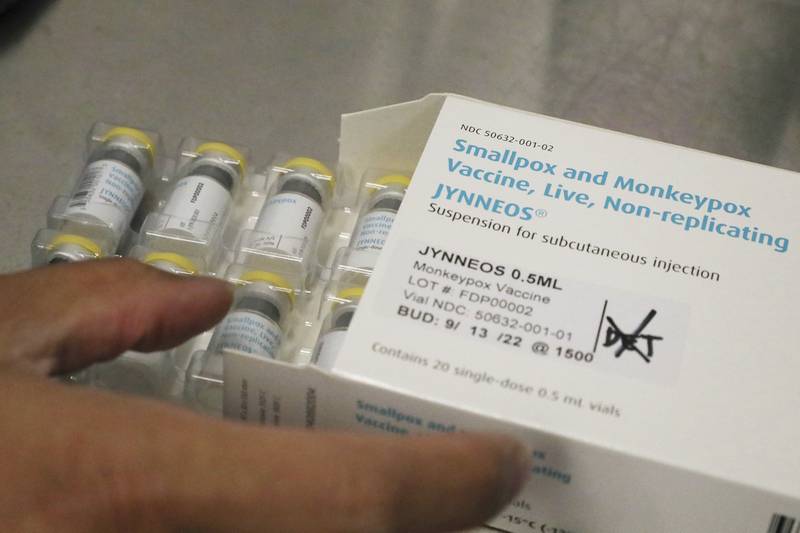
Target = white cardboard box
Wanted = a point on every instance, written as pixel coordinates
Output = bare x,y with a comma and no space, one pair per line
654,397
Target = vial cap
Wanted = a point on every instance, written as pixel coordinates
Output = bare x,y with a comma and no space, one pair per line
69,238
271,279
227,150
139,135
394,179
350,293
313,164
176,259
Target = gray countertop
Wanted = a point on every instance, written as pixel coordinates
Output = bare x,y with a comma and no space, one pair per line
722,76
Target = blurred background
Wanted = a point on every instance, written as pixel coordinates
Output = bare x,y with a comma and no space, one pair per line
720,75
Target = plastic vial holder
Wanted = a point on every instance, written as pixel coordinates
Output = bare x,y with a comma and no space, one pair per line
119,170
182,359
382,197
191,218
339,309
204,385
291,220
258,323
352,267
144,374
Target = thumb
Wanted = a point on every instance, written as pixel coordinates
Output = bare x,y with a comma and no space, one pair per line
114,463
332,481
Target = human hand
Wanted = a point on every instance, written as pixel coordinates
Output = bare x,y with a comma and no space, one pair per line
76,459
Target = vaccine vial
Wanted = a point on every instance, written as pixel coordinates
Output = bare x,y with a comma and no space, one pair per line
110,189
255,323
201,199
376,220
330,342
171,262
291,219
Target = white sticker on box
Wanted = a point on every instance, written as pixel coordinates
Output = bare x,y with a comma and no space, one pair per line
536,315
196,205
289,223
108,191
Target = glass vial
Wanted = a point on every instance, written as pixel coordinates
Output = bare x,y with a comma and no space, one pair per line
255,323
291,219
376,220
109,191
201,199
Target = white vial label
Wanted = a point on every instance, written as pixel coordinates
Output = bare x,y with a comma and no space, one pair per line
196,205
288,223
248,332
108,191
372,230
330,344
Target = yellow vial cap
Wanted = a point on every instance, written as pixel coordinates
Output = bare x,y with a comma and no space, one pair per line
314,164
270,278
139,135
226,149
350,293
69,238
394,179
169,257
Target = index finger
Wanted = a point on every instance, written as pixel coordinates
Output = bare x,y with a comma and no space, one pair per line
153,465
64,317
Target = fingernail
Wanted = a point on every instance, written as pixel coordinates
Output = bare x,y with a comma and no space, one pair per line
517,470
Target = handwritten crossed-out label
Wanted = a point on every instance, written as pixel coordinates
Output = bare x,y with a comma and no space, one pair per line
632,341
641,338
